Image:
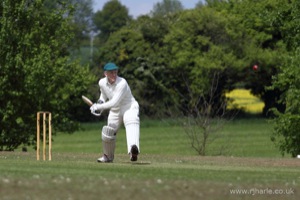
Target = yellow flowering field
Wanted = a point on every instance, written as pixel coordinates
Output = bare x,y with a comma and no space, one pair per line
242,98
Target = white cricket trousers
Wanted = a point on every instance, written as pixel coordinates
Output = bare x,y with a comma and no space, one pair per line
129,115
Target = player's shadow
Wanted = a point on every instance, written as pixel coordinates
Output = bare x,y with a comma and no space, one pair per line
137,163
140,163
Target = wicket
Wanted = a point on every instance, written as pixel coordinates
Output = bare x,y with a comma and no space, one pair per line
46,117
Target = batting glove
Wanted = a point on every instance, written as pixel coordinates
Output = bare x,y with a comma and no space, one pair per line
95,109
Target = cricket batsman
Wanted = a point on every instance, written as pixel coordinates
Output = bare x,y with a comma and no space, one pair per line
116,96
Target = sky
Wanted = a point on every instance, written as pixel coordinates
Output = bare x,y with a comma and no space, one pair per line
142,7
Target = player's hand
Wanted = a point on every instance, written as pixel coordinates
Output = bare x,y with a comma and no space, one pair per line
95,109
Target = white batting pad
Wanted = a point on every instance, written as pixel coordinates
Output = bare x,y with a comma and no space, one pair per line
132,126
108,141
132,135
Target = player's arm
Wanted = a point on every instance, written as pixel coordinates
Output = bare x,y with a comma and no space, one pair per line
115,101
102,98
120,92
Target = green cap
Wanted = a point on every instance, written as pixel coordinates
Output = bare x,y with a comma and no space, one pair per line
110,66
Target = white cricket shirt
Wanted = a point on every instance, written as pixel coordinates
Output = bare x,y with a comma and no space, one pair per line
115,96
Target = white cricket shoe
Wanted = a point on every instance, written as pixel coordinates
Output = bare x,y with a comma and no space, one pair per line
104,159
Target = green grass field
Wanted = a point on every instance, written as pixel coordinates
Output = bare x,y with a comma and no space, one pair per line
241,164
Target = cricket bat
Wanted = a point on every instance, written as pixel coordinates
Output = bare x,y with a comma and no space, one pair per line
87,100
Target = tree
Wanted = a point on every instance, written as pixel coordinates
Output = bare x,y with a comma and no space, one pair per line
286,133
153,29
82,17
112,17
199,43
200,124
36,72
200,4
166,7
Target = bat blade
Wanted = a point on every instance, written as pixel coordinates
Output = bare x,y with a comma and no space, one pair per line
87,100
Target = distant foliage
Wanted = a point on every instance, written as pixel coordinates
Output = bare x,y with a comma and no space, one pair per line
111,18
166,7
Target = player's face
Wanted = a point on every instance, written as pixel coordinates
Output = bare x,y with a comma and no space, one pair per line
111,76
